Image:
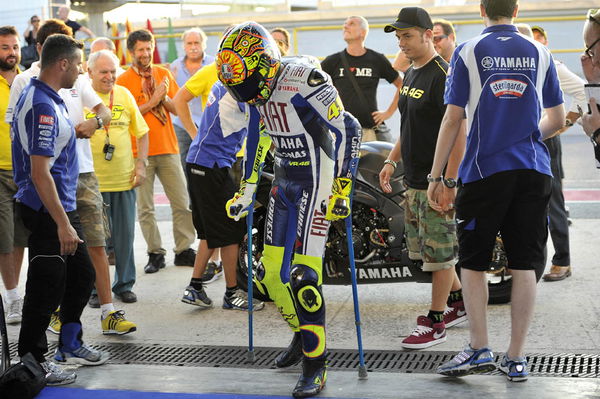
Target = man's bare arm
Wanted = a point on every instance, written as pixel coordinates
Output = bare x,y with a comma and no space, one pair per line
181,100
552,121
46,189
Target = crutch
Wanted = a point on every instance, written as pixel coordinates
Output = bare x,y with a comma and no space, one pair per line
249,263
5,358
362,370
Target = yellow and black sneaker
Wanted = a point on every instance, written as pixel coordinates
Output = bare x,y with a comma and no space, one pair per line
115,323
55,324
313,378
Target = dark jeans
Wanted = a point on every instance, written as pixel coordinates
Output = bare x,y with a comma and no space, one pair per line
184,140
559,223
52,280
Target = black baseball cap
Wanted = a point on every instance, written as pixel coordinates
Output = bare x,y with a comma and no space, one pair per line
410,17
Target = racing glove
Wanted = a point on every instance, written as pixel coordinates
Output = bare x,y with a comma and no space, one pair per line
339,201
237,207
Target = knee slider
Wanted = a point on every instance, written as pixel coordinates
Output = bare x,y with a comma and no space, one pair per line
259,276
304,282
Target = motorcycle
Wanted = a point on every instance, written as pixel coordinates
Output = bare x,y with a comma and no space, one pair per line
380,249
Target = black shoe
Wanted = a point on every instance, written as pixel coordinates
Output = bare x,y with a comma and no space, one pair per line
212,273
127,296
185,258
94,302
292,355
313,378
155,263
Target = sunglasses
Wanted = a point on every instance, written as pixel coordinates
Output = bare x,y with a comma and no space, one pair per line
35,20
588,51
593,16
439,38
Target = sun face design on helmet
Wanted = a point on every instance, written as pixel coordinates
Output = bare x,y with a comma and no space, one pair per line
247,63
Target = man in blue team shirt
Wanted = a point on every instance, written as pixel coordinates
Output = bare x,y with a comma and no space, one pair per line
500,80
46,172
222,130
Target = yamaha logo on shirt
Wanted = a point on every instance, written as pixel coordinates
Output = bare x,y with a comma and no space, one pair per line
508,88
508,63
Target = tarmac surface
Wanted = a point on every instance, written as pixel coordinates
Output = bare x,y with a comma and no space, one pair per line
567,321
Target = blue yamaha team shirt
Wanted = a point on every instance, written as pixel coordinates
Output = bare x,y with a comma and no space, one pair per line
223,127
503,79
41,126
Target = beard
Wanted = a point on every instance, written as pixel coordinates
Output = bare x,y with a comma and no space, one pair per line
143,63
7,65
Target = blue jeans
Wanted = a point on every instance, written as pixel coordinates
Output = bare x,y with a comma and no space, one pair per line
121,218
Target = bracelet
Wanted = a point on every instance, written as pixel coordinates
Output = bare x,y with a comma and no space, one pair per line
390,162
431,179
594,136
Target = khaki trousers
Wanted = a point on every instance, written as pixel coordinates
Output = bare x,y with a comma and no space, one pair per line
168,169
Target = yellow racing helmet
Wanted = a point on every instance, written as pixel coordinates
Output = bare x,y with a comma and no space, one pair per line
247,63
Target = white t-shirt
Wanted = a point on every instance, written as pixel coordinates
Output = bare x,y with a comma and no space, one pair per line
81,96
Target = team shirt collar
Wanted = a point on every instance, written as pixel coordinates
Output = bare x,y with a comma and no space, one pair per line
47,89
499,28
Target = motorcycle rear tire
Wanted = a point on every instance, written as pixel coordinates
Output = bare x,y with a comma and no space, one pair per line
500,293
257,239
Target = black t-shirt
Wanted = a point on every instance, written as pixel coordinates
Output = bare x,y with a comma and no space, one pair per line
368,69
422,108
29,39
73,25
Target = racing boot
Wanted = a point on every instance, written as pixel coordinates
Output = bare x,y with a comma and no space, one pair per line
292,355
313,378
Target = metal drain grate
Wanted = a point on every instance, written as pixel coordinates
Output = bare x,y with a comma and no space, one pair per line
548,365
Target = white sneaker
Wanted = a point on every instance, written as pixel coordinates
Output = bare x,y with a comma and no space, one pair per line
56,375
14,313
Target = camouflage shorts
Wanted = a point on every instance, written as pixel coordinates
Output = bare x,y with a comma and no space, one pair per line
90,208
430,236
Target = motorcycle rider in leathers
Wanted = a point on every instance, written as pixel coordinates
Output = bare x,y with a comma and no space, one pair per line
316,155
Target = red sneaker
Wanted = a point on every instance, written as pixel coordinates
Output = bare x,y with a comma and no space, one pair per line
455,313
426,334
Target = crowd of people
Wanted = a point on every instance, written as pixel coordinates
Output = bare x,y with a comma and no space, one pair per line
81,146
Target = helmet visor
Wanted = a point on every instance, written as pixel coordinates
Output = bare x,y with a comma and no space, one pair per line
248,89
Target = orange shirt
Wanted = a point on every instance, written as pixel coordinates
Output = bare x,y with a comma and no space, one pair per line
161,137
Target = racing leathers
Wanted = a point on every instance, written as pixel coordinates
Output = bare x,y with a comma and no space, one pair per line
316,143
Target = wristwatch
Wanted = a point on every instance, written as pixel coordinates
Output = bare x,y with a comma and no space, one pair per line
390,162
99,121
568,122
144,161
432,179
449,182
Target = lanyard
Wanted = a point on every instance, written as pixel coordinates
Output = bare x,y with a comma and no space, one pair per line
110,108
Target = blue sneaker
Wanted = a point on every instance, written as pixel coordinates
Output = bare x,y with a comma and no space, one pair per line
196,297
83,355
469,361
515,369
